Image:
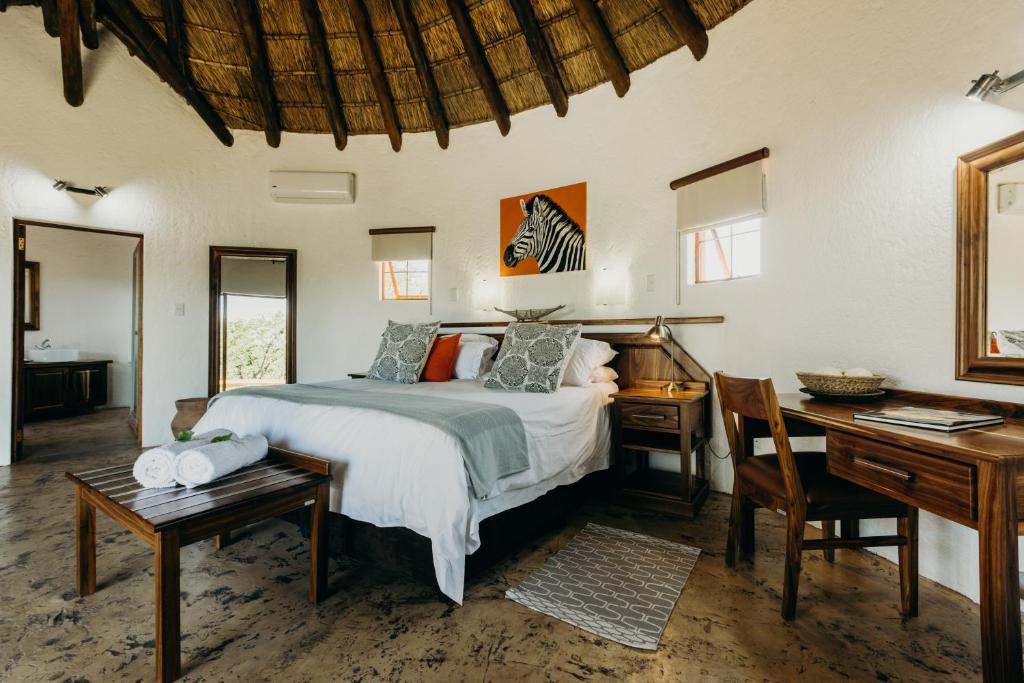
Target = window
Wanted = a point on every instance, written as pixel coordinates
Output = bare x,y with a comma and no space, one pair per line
724,252
405,280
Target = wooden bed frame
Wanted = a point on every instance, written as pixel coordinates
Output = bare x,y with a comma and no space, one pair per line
640,362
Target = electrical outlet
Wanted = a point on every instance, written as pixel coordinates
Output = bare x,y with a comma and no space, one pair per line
650,282
179,310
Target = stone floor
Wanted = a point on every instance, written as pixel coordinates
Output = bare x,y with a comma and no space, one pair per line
245,616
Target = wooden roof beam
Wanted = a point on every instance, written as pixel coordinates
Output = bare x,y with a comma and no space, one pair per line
375,67
87,19
431,94
541,55
174,29
70,51
125,20
478,60
325,71
686,25
601,39
249,22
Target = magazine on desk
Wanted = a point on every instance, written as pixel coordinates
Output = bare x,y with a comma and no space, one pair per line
930,418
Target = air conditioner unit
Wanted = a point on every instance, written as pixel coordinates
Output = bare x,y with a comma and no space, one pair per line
309,187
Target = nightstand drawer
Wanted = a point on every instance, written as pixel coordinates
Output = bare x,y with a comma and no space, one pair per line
650,415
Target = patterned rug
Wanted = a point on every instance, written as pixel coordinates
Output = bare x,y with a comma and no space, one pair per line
616,584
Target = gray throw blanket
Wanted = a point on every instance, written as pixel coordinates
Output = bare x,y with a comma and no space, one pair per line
492,438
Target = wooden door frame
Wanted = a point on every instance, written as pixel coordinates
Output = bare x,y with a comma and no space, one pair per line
18,323
291,259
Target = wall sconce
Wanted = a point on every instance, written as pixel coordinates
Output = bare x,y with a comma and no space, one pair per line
609,287
485,295
65,186
988,84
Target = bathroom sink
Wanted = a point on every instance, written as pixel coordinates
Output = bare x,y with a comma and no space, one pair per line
52,355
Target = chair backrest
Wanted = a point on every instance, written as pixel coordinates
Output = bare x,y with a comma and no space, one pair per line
742,397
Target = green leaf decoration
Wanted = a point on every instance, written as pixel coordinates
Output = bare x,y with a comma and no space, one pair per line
222,437
185,435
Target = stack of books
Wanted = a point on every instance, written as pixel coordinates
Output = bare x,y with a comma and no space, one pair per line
929,418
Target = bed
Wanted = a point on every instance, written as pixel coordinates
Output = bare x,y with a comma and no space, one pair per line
395,478
392,471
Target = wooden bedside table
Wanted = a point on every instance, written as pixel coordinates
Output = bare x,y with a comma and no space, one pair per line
646,420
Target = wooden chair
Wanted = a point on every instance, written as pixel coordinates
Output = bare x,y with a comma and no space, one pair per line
800,484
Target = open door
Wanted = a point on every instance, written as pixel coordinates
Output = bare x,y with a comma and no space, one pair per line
18,352
135,405
252,317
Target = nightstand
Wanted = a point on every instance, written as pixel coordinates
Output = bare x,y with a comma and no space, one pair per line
653,420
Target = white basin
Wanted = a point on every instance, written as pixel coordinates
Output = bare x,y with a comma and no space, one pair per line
52,355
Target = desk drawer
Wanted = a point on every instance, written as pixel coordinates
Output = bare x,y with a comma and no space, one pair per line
945,487
650,415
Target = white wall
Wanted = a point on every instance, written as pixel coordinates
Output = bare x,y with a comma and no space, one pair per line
86,299
860,102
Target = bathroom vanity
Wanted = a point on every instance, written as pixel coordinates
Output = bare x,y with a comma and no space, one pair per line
63,388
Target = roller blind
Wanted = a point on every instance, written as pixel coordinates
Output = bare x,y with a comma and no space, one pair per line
262,277
402,246
724,198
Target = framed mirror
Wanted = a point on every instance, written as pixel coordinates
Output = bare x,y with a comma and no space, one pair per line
31,295
990,279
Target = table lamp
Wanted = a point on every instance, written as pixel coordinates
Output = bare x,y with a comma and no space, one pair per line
663,333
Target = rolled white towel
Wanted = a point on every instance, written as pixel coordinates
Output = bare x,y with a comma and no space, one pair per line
198,466
154,469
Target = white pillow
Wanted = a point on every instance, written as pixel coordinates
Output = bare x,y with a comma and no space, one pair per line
475,357
603,374
588,356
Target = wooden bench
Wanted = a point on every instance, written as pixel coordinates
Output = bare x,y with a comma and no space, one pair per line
169,519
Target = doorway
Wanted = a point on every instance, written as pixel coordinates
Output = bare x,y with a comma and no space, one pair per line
77,333
252,317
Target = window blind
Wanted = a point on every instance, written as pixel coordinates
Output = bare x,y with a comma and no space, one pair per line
402,244
723,198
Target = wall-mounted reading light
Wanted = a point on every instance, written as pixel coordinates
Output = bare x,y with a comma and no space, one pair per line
988,84
65,186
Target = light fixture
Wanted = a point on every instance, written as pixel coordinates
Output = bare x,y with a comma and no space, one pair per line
661,333
988,84
65,186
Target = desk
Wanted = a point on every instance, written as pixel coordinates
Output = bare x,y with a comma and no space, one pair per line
974,477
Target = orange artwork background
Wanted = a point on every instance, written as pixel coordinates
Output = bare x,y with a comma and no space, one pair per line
572,199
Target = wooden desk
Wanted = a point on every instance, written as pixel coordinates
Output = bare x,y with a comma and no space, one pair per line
974,477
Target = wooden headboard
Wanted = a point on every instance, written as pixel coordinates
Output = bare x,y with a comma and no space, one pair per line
640,362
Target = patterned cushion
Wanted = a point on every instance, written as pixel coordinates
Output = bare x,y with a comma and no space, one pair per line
403,352
533,357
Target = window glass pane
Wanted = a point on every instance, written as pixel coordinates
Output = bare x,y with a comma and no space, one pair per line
405,280
726,251
746,254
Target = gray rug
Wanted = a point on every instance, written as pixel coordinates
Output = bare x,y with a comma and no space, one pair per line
616,584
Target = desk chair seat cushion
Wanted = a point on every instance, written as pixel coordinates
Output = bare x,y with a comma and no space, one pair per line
828,497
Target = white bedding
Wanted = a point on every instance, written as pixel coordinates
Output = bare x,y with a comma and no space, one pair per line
390,470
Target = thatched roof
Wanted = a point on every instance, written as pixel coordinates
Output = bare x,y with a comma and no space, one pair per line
256,61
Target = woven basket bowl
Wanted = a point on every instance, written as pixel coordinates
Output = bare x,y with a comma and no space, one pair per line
833,384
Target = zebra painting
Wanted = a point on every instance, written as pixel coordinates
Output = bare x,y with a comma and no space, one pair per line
549,235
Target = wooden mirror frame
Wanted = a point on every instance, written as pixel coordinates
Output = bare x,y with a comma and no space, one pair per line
972,360
290,257
32,294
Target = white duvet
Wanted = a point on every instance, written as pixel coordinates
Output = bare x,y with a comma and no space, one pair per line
390,470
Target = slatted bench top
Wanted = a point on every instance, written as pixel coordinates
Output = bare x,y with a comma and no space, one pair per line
161,508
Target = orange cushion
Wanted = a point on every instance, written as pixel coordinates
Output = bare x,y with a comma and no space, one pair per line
441,360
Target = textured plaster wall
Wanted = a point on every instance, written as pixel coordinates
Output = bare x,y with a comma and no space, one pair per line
860,102
86,299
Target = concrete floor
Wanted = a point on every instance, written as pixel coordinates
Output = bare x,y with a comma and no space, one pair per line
245,615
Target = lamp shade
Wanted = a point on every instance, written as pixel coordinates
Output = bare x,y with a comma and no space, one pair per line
660,331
